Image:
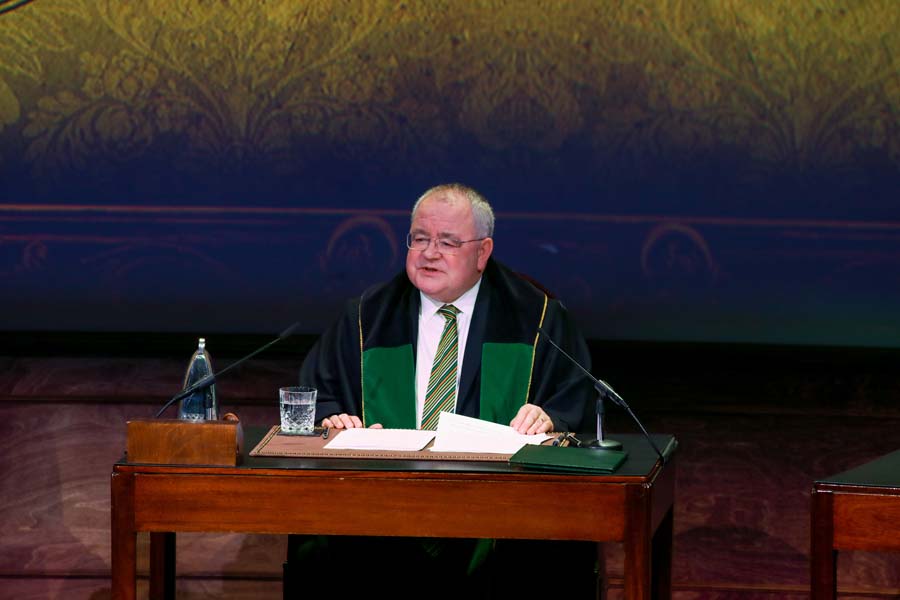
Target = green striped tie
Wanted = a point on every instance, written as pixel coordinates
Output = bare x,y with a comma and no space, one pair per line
441,394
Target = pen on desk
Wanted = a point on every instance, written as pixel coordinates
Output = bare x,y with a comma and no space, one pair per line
325,435
563,439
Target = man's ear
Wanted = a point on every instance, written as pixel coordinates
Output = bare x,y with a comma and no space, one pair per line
484,253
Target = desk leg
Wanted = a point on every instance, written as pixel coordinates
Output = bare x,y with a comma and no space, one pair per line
124,538
162,565
661,565
637,544
602,590
823,558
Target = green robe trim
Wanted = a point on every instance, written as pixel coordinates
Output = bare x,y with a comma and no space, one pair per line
505,379
388,387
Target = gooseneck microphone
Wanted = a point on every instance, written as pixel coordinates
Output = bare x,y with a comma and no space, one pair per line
604,390
211,378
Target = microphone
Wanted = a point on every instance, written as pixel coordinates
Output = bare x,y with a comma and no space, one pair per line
604,390
211,378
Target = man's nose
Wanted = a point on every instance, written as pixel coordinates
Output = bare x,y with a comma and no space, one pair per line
432,250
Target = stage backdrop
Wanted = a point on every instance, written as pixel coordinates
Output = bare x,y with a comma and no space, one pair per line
691,170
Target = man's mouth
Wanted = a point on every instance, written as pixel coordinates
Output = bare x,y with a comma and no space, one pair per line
429,269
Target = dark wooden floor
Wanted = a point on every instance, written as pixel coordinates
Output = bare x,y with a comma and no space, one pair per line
756,427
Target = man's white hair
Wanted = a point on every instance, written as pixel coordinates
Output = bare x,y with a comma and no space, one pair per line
482,213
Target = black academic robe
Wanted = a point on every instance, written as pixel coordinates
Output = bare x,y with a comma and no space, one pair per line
384,324
508,311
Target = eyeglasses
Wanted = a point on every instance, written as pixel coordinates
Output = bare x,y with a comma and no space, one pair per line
420,243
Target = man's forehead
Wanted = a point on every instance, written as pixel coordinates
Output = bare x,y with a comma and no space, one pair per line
453,214
445,230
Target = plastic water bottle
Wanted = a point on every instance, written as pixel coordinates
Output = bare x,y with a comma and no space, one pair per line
200,405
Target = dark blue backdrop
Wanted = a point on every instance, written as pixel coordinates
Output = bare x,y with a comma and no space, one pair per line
667,250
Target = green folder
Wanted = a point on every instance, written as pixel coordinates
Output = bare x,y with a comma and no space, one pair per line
568,459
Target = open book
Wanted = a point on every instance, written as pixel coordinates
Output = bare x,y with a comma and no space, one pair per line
455,433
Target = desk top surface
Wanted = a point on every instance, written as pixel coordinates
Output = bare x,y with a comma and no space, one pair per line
640,462
881,472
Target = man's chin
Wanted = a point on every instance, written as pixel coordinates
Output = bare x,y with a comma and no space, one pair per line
432,284
430,288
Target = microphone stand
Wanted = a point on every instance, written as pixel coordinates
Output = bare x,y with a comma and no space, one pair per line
211,378
611,393
604,390
601,442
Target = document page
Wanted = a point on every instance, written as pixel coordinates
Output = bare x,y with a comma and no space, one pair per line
380,439
457,433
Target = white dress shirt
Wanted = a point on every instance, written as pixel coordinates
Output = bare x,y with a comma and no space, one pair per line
431,325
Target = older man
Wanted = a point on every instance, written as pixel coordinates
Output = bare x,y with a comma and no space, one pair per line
456,332
503,374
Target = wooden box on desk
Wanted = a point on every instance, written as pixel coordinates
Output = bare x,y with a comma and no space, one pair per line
178,442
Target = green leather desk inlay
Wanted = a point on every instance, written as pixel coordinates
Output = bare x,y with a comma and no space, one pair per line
881,472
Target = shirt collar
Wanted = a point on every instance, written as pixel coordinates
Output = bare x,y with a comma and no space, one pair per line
465,303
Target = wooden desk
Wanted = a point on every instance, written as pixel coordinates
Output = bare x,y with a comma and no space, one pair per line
855,510
447,498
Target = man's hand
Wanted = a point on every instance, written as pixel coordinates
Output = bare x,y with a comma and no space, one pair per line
531,419
345,421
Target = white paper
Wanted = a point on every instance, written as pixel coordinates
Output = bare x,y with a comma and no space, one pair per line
380,439
458,433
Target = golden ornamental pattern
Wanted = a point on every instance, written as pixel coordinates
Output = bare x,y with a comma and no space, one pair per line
232,79
796,84
25,36
792,81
